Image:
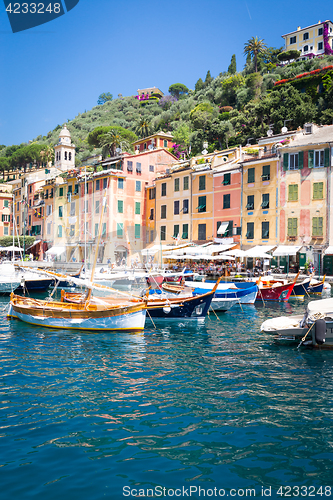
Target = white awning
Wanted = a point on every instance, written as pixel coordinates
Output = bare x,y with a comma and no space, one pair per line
35,243
223,227
56,251
218,248
283,250
259,251
329,251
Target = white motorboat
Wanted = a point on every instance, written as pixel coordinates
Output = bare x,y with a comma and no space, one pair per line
314,328
223,304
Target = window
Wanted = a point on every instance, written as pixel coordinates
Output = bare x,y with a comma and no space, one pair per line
265,201
251,175
185,232
306,48
137,185
317,226
292,40
69,189
176,207
293,192
120,207
306,36
129,166
96,230
292,226
97,207
6,204
293,161
48,210
5,231
137,208
266,173
177,184
103,228
138,168
250,231
264,230
59,231
320,31
319,158
76,189
226,201
5,218
61,191
202,182
185,206
163,189
152,193
145,146
72,209
163,211
120,229
70,156
320,46
185,183
201,232
60,211
152,235
318,190
87,188
151,168
85,206
165,143
151,216
120,183
163,233
97,185
226,179
105,183
250,202
176,231
18,221
202,204
65,155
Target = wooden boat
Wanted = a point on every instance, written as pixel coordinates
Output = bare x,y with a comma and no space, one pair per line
96,315
316,287
245,292
314,328
121,312
300,289
274,290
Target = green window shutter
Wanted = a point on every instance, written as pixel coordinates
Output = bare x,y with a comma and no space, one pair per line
315,190
137,208
295,192
327,157
294,231
314,226
290,192
320,190
310,158
290,227
320,226
120,227
300,160
120,206
285,161
137,231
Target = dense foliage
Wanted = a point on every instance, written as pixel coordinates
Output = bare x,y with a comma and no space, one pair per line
224,111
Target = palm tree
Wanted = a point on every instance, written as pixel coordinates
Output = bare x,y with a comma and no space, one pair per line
143,128
254,47
113,140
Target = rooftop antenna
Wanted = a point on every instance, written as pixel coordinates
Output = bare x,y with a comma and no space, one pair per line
248,141
284,128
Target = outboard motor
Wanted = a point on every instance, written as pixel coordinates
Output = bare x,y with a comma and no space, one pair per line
320,333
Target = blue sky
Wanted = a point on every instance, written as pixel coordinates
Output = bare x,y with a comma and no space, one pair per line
53,72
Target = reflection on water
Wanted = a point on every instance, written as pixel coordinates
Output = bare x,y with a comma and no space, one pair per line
212,403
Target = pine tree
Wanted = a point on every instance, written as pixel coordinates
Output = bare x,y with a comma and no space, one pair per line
208,79
199,85
232,67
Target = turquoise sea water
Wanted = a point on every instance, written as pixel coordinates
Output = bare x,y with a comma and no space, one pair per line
210,405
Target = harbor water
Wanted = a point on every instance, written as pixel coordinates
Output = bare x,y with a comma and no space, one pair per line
197,408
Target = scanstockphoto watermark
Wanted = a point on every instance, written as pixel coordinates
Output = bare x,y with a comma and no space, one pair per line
24,15
188,491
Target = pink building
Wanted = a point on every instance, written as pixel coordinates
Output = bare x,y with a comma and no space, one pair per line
156,141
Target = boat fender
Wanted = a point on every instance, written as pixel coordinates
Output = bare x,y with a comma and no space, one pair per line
320,327
166,309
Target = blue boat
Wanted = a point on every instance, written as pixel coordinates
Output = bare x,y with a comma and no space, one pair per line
316,287
244,291
300,289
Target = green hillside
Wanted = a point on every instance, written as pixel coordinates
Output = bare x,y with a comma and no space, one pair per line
224,111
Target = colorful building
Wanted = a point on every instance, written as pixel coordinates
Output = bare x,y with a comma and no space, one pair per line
311,41
6,200
156,141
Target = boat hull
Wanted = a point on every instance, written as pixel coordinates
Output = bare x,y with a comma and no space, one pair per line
245,293
300,289
192,307
69,317
278,293
223,305
38,285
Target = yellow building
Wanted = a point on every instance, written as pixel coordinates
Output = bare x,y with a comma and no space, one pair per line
310,40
